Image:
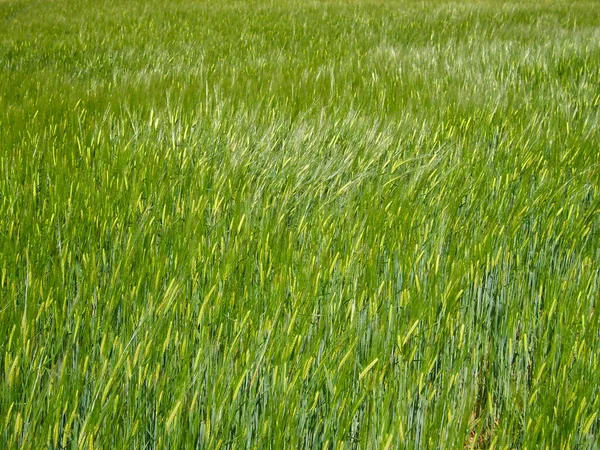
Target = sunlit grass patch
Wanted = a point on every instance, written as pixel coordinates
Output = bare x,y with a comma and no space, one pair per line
299,224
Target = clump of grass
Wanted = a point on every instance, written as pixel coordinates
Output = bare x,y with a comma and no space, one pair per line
299,225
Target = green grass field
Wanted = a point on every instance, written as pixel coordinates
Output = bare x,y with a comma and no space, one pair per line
299,224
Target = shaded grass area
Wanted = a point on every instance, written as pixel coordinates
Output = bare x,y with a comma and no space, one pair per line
299,224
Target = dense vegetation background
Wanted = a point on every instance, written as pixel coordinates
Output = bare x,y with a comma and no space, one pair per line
299,224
